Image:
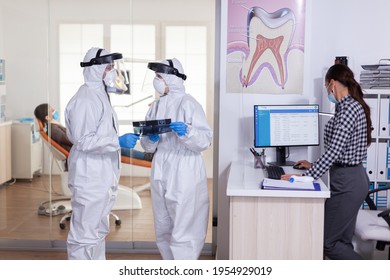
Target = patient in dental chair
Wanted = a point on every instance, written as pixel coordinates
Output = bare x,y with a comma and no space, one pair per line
46,114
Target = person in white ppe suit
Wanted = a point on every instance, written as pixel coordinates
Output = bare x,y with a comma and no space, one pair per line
178,178
94,160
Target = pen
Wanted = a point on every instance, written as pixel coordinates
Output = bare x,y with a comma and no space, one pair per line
254,152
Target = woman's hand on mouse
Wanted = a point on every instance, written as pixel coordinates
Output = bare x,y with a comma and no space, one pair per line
302,164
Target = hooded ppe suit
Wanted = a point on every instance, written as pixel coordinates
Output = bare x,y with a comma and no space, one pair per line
178,178
94,163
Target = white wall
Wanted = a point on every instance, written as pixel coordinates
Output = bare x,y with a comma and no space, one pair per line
354,28
24,29
1,33
2,56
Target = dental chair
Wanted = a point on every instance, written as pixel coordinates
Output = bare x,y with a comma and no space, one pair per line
59,156
123,201
127,198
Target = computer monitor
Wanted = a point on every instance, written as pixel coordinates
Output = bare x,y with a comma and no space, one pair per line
282,126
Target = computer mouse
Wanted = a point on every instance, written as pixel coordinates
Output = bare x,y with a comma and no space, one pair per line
298,167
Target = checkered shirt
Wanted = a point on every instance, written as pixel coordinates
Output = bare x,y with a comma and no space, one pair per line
345,138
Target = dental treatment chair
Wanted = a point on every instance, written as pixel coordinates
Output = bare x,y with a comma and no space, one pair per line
127,198
58,156
123,201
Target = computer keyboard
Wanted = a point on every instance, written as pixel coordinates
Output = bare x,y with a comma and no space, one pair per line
274,172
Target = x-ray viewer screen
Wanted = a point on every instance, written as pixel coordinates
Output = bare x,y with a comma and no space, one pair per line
286,125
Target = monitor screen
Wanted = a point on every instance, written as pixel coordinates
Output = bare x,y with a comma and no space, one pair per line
283,126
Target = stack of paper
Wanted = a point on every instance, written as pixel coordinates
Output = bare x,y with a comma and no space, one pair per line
375,75
271,184
375,79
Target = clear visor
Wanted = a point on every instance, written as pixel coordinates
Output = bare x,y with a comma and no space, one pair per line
117,81
147,86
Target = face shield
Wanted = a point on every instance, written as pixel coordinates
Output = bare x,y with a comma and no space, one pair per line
166,69
153,82
147,85
115,77
117,80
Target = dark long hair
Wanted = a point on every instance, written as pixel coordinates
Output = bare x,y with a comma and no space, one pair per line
41,112
344,75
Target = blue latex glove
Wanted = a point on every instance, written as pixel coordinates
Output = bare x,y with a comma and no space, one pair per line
179,127
128,140
154,137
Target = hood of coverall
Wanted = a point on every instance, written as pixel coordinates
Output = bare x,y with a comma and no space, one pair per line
94,73
175,83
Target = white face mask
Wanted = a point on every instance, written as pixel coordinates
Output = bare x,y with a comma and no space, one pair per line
112,79
159,85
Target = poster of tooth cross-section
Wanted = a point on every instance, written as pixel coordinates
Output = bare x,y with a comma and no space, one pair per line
265,46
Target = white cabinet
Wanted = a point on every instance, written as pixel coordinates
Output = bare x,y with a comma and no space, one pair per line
26,151
5,152
378,154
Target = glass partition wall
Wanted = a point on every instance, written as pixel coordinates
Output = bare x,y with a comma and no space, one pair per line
33,206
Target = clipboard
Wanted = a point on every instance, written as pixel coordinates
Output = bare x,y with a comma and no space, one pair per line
271,184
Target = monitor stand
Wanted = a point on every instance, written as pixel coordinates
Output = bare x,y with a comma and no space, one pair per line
281,158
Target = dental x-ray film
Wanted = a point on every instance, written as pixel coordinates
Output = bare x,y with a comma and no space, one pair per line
152,127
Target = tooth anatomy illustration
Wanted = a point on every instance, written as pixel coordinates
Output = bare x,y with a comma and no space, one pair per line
269,37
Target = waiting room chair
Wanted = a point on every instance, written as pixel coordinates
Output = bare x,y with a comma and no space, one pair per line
372,227
127,198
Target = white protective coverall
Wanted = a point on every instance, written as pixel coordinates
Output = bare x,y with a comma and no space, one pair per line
94,163
178,178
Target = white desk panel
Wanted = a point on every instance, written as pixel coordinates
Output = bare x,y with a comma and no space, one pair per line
245,180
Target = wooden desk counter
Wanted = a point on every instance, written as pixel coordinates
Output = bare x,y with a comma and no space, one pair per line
273,224
5,152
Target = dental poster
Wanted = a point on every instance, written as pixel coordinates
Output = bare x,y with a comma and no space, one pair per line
265,46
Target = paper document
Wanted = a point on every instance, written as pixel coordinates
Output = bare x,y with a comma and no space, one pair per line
271,184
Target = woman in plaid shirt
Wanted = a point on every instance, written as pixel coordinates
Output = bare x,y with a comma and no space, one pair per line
347,136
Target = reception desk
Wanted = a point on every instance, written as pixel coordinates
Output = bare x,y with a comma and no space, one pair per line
5,152
273,224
